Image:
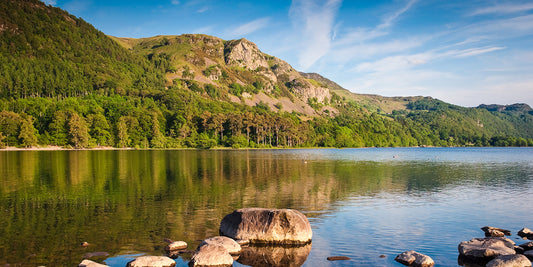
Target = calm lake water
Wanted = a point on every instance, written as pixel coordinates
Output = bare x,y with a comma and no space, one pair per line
362,203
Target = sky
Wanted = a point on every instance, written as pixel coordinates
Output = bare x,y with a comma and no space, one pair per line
465,52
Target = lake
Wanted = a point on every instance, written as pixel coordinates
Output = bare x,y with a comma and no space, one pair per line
361,203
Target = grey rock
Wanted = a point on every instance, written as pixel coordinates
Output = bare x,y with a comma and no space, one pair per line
413,258
527,246
268,226
486,248
229,244
89,263
510,261
211,255
152,261
529,254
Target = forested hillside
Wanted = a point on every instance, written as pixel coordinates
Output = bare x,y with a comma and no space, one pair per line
64,83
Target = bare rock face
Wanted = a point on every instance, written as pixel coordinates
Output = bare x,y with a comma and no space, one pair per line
306,90
495,232
176,245
211,255
244,53
413,258
152,261
486,248
274,256
526,233
267,226
229,244
510,261
89,263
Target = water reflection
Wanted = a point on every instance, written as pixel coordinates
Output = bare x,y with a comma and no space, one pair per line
274,256
127,202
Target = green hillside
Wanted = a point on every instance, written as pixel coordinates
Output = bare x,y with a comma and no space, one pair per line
64,83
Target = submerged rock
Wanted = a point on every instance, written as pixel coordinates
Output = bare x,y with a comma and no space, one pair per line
510,261
269,226
495,232
95,254
90,263
229,244
486,248
526,233
338,258
413,258
211,255
274,256
152,261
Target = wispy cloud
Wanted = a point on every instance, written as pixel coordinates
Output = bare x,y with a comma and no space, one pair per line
202,10
477,51
389,20
313,21
175,2
250,27
503,9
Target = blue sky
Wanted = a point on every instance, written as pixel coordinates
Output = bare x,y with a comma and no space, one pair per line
464,52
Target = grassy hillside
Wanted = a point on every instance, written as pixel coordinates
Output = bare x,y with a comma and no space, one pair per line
62,82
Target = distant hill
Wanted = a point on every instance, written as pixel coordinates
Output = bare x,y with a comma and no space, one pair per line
63,82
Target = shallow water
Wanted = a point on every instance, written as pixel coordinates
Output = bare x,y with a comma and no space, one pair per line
362,203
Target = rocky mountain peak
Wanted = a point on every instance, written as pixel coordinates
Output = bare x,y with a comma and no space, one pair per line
244,53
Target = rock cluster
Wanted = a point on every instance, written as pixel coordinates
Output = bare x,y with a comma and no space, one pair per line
495,250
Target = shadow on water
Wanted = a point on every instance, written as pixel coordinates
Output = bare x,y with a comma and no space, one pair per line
127,202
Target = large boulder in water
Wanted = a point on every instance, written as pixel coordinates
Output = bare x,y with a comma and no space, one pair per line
268,226
413,258
486,248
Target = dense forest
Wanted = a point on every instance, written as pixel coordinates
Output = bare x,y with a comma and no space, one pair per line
64,83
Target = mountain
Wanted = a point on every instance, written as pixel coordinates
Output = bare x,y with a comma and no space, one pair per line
64,83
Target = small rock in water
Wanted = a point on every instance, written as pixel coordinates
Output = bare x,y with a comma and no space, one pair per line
229,244
89,263
382,256
338,258
509,261
152,261
211,255
495,232
413,258
84,244
526,233
242,242
176,245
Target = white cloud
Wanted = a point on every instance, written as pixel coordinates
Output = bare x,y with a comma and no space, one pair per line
503,9
202,10
250,27
175,2
476,51
313,21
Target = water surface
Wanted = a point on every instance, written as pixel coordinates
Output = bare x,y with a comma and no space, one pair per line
362,203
